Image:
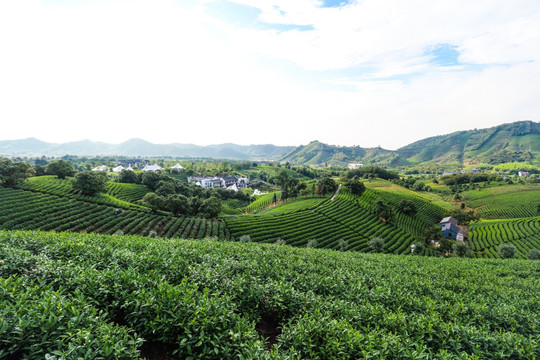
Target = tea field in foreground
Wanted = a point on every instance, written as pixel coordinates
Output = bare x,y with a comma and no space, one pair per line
129,297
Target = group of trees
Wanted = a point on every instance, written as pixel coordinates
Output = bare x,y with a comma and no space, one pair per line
290,187
467,178
371,172
14,173
355,186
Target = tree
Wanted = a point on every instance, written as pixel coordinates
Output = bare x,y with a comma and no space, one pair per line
128,177
60,168
327,186
407,207
355,186
89,182
383,210
165,188
376,244
538,208
419,186
153,201
14,173
507,251
178,204
461,249
39,170
211,207
151,180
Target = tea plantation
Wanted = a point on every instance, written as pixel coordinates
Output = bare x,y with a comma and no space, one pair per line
70,296
37,211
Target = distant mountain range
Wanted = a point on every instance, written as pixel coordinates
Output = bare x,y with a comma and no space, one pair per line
518,141
139,147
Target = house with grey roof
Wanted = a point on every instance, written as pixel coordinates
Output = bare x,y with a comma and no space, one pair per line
451,230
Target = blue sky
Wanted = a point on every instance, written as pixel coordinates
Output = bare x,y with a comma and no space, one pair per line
286,72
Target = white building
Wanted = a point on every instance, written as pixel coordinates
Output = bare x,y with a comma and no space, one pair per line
100,168
152,168
118,169
226,182
177,167
355,166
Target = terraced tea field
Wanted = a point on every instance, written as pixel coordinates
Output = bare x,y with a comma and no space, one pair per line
505,202
119,195
486,237
23,209
343,223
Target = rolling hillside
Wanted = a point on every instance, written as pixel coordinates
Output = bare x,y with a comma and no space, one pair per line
519,141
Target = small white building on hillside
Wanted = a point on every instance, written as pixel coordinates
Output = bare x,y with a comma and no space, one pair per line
177,167
118,169
355,166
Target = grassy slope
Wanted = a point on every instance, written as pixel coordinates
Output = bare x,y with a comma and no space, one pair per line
208,299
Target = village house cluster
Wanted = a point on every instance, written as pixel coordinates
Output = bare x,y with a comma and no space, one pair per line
147,168
229,182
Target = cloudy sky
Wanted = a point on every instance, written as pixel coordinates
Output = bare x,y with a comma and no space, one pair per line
366,72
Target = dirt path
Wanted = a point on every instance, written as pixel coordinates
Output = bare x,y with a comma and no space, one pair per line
337,192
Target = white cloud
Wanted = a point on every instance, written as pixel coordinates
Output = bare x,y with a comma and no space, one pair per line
113,70
491,32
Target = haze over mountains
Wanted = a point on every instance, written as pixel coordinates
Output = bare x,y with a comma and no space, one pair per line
518,141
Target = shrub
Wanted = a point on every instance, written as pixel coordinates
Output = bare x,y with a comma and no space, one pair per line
419,248
376,244
245,238
507,251
280,241
534,254
407,207
460,249
312,243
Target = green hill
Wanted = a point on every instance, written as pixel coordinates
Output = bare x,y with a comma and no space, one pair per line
127,297
519,141
347,222
318,153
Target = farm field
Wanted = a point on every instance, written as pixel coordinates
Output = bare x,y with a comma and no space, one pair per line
524,234
504,202
388,187
118,194
345,222
23,209
129,297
